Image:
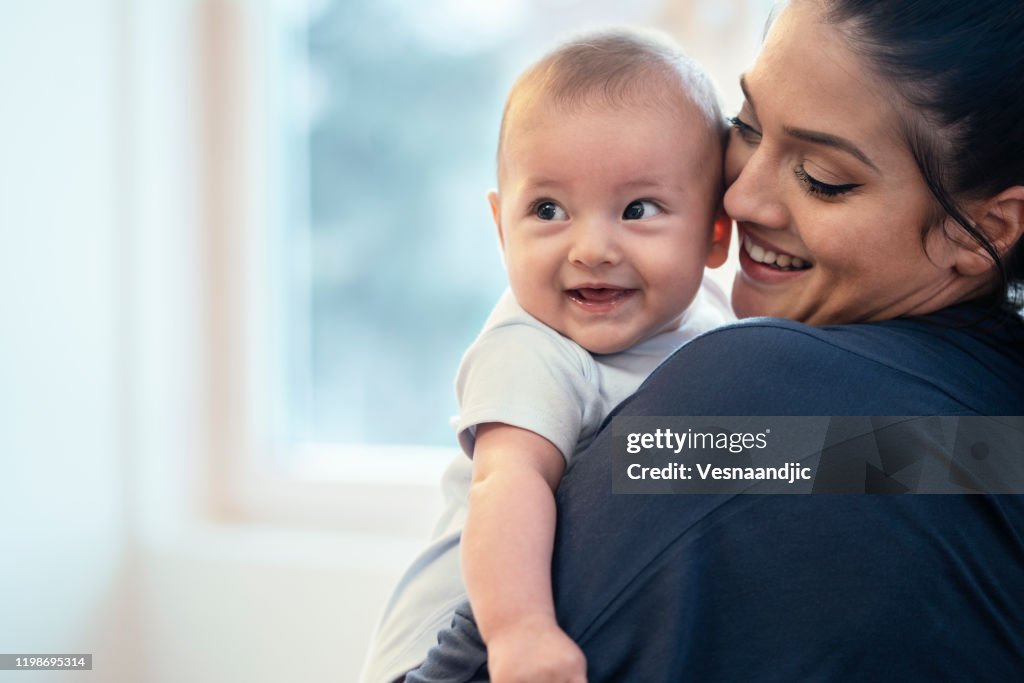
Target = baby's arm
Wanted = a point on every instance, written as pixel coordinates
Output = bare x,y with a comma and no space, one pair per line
506,557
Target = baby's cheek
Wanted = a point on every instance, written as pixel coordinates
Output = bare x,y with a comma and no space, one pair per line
685,271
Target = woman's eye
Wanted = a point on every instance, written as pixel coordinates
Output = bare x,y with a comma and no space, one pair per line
822,190
640,209
746,132
549,211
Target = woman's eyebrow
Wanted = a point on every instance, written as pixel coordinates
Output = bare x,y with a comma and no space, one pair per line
816,137
829,140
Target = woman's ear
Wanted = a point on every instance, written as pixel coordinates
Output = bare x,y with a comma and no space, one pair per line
1001,218
720,238
495,202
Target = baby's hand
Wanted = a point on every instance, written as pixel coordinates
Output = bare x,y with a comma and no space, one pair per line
535,651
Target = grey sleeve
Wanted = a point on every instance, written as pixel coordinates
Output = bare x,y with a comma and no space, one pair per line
460,655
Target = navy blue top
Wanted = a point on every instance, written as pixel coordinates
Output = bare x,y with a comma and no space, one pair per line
858,587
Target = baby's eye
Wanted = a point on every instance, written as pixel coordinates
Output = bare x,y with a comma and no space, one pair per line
549,211
641,208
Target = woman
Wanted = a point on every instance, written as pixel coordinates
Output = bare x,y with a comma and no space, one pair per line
876,175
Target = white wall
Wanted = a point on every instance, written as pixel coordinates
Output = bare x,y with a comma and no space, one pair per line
104,544
62,522
265,605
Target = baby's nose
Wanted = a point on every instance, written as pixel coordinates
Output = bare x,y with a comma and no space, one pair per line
594,244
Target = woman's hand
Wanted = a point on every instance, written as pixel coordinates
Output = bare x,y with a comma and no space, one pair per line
535,651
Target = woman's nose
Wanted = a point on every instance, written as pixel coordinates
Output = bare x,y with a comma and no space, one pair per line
594,244
755,194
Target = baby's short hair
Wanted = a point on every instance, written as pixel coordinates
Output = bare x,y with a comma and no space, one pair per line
618,67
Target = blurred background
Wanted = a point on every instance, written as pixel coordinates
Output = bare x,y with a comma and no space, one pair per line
242,248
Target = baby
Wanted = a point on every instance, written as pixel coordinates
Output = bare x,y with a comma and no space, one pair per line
608,208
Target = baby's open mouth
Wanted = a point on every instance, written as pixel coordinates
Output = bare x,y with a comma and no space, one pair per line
599,295
773,260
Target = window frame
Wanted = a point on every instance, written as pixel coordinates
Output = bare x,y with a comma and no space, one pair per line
252,474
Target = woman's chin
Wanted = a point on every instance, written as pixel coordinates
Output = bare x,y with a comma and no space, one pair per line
748,302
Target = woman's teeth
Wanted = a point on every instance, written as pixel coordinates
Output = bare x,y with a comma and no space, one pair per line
770,258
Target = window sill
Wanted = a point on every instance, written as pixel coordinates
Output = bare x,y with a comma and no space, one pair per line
362,490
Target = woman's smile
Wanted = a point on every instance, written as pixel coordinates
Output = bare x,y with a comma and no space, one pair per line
767,262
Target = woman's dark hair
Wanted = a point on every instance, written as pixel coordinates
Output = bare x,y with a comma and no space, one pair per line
960,65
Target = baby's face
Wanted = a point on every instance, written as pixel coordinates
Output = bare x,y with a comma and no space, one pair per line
606,218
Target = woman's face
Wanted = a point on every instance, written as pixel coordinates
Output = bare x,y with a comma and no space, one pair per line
829,202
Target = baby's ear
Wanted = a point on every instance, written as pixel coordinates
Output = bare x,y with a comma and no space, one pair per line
495,202
720,237
1001,218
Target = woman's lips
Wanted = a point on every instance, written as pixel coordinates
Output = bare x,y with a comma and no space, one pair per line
599,299
765,263
770,256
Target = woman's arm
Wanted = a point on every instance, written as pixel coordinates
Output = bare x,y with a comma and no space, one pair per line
506,548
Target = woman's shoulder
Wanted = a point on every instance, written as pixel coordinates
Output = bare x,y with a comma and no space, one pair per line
918,366
778,339
904,342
